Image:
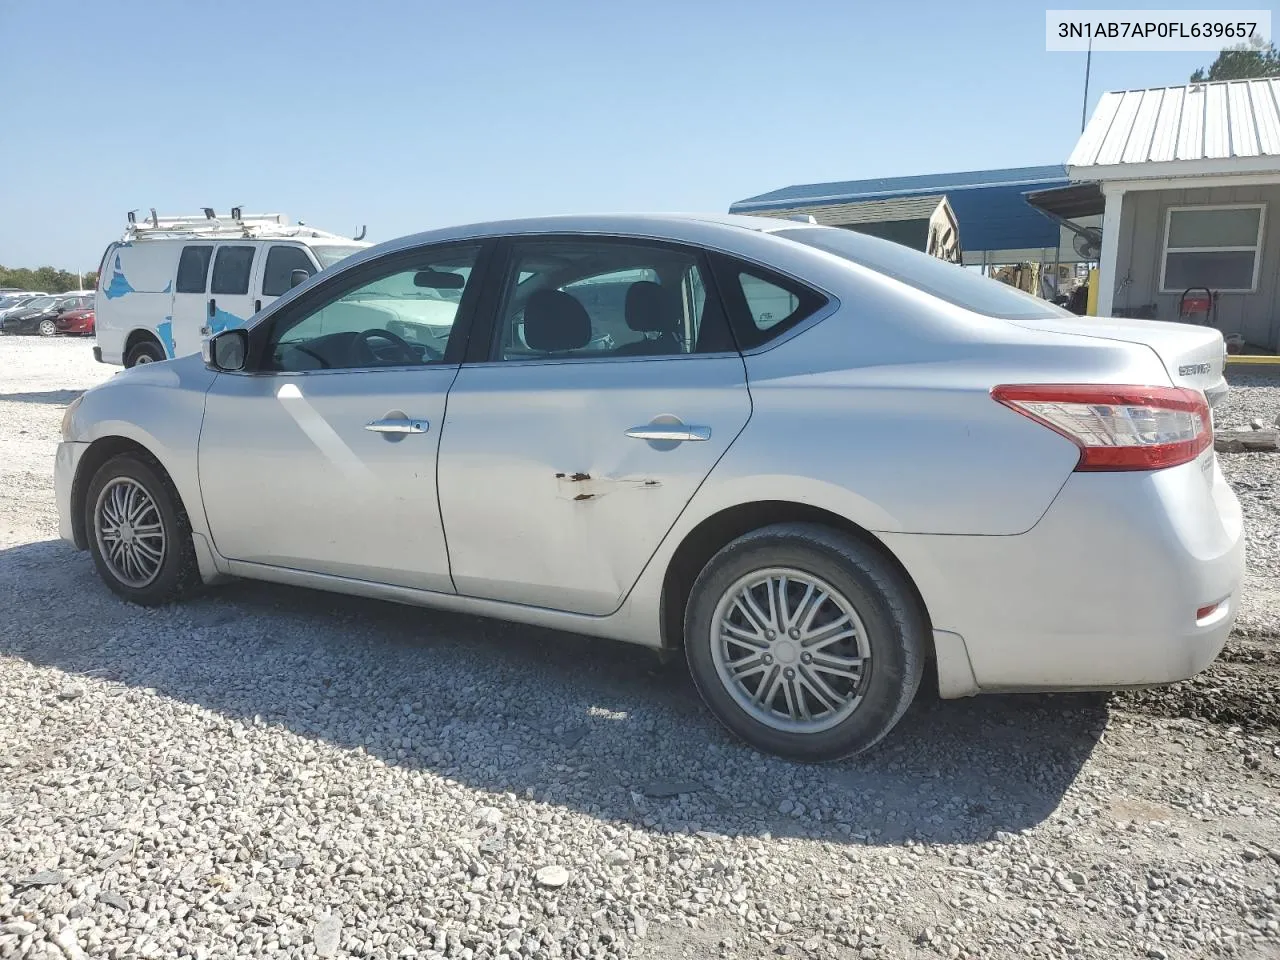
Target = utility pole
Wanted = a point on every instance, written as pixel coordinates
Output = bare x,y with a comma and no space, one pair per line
1084,107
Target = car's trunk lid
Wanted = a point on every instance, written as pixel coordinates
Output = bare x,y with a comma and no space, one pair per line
1194,356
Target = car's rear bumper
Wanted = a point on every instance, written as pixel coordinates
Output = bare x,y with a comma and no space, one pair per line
65,463
1102,593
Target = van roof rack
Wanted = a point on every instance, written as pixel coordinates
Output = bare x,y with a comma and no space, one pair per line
207,225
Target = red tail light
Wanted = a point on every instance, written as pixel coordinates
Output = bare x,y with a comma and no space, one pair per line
1118,427
1208,610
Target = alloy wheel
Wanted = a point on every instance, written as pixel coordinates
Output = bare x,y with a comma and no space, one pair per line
790,649
130,532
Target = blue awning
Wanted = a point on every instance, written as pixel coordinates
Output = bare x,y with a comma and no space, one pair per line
989,204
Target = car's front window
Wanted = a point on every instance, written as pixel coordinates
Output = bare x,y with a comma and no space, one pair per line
329,255
946,281
403,318
42,303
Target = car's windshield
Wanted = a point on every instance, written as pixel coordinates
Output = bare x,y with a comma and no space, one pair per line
329,255
402,287
39,303
946,281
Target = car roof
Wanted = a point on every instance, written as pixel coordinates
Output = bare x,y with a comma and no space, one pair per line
675,225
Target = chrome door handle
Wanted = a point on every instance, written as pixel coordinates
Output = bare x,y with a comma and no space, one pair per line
397,426
675,433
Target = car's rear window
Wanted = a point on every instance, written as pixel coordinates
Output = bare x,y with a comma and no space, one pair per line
946,281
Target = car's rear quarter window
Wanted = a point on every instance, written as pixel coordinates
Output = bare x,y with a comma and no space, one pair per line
762,304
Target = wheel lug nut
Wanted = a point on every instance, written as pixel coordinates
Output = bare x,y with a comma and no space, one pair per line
790,673
768,659
769,634
807,658
795,634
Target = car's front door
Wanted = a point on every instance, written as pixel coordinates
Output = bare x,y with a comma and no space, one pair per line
609,390
322,455
276,272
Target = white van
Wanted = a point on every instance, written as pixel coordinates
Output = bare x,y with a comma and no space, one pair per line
172,281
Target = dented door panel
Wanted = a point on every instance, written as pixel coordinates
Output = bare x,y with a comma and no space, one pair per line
545,499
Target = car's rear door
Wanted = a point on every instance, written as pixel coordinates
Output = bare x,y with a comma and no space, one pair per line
231,298
189,309
609,389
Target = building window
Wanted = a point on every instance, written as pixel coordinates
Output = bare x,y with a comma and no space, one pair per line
1216,247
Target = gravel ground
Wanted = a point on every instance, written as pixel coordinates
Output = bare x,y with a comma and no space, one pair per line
266,771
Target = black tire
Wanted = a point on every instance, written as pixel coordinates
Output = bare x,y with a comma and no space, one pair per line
145,351
896,631
179,573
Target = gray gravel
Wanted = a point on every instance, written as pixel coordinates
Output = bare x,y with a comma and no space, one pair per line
1255,397
266,771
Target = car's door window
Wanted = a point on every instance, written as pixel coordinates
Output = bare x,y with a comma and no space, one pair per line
403,317
281,262
193,269
231,271
605,298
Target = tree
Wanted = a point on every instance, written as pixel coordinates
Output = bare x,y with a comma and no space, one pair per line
1242,62
46,279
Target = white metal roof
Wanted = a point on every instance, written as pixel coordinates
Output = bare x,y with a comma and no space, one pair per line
1196,129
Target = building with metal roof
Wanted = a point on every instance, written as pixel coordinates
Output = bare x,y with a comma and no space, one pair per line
1186,178
1197,129
996,224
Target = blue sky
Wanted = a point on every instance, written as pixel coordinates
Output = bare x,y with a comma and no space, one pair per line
410,115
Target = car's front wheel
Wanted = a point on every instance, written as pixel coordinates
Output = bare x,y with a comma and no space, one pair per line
804,641
138,532
48,328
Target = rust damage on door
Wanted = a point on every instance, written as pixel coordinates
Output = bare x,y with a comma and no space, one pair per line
581,487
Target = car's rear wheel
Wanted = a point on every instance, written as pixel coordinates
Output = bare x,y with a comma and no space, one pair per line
148,351
804,641
138,532
48,328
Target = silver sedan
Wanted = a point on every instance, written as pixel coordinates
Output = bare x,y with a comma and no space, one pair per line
820,463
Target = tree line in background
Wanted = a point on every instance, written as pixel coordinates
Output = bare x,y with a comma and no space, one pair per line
1245,62
46,279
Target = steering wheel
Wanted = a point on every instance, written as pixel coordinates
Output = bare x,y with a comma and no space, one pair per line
404,353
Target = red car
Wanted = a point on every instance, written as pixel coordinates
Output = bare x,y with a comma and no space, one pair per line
77,320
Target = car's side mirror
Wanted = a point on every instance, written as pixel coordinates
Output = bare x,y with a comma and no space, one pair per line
298,277
227,351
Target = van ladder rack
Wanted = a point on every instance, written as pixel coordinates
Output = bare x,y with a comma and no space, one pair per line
207,226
